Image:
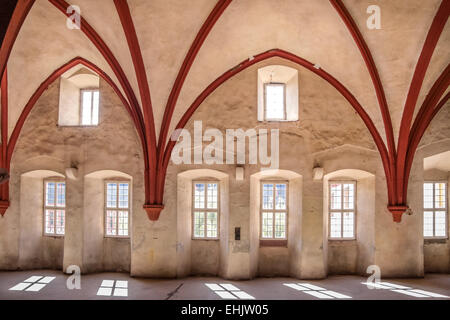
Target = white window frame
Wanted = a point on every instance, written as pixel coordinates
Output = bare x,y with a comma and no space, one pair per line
342,210
54,208
82,91
117,209
274,183
445,210
284,101
205,210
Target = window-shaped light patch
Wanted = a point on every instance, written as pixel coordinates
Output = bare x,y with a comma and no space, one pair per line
275,103
54,208
117,209
274,208
435,210
205,214
342,210
90,100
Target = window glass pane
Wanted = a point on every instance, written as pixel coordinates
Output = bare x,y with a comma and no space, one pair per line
199,224
280,196
267,196
123,195
428,195
267,225
349,193
50,194
123,223
335,195
280,225
111,195
428,223
111,223
349,223
95,108
335,225
60,194
439,223
86,108
211,226
49,221
439,195
60,221
212,196
199,196
275,102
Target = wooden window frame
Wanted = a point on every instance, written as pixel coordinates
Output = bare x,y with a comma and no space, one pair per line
445,210
82,91
273,242
205,210
342,210
117,209
284,101
54,208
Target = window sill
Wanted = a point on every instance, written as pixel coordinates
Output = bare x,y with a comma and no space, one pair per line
435,240
117,237
267,121
54,236
78,126
273,243
206,239
337,241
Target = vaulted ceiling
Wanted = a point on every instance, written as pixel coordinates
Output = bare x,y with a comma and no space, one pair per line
156,41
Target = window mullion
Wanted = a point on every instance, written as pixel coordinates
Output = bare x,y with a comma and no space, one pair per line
117,206
434,209
205,215
92,107
273,211
342,210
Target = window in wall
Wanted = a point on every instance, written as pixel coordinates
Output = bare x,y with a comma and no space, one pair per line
342,209
435,210
274,210
90,100
117,209
205,214
275,101
54,207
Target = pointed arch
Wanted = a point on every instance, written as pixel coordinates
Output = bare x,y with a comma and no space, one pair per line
53,77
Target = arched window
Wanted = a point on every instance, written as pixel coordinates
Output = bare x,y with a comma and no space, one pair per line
117,208
202,222
342,210
54,207
79,98
277,93
205,210
274,210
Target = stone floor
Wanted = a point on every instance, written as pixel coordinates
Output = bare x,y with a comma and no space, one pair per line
49,285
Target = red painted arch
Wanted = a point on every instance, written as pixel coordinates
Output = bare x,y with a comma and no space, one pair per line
54,76
98,42
373,71
4,187
300,61
429,46
133,43
184,70
21,11
430,107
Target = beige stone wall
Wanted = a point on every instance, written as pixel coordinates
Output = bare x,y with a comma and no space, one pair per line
43,145
328,134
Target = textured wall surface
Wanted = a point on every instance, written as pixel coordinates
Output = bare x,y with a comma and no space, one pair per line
329,134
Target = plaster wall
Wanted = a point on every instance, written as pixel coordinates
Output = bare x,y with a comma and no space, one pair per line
328,134
43,145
